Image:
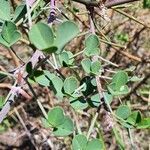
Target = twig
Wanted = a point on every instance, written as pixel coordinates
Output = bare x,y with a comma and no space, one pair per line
32,8
14,57
24,126
109,62
131,139
42,109
130,17
130,56
108,3
13,93
11,49
92,125
111,43
29,14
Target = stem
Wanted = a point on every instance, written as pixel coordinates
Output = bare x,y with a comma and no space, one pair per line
51,64
42,109
92,125
76,121
88,2
36,97
109,62
11,49
29,14
6,99
79,88
77,54
108,3
55,62
82,34
131,139
130,17
7,74
32,8
98,125
113,44
24,126
52,12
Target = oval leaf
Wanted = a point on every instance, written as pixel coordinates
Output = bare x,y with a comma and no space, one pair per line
56,116
91,45
4,10
9,34
78,103
79,142
42,37
95,67
86,64
95,144
64,129
65,33
120,79
20,12
70,84
123,111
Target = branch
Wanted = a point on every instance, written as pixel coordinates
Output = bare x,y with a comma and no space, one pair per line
108,3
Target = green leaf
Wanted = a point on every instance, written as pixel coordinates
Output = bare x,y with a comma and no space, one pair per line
91,67
45,123
91,45
2,101
19,13
95,144
65,33
3,42
42,80
70,84
122,91
146,3
57,83
42,37
56,116
118,85
145,123
9,34
2,76
2,128
95,67
93,82
134,118
94,101
108,97
135,79
5,10
86,64
64,129
130,69
123,111
79,142
120,79
118,138
122,37
78,103
65,58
